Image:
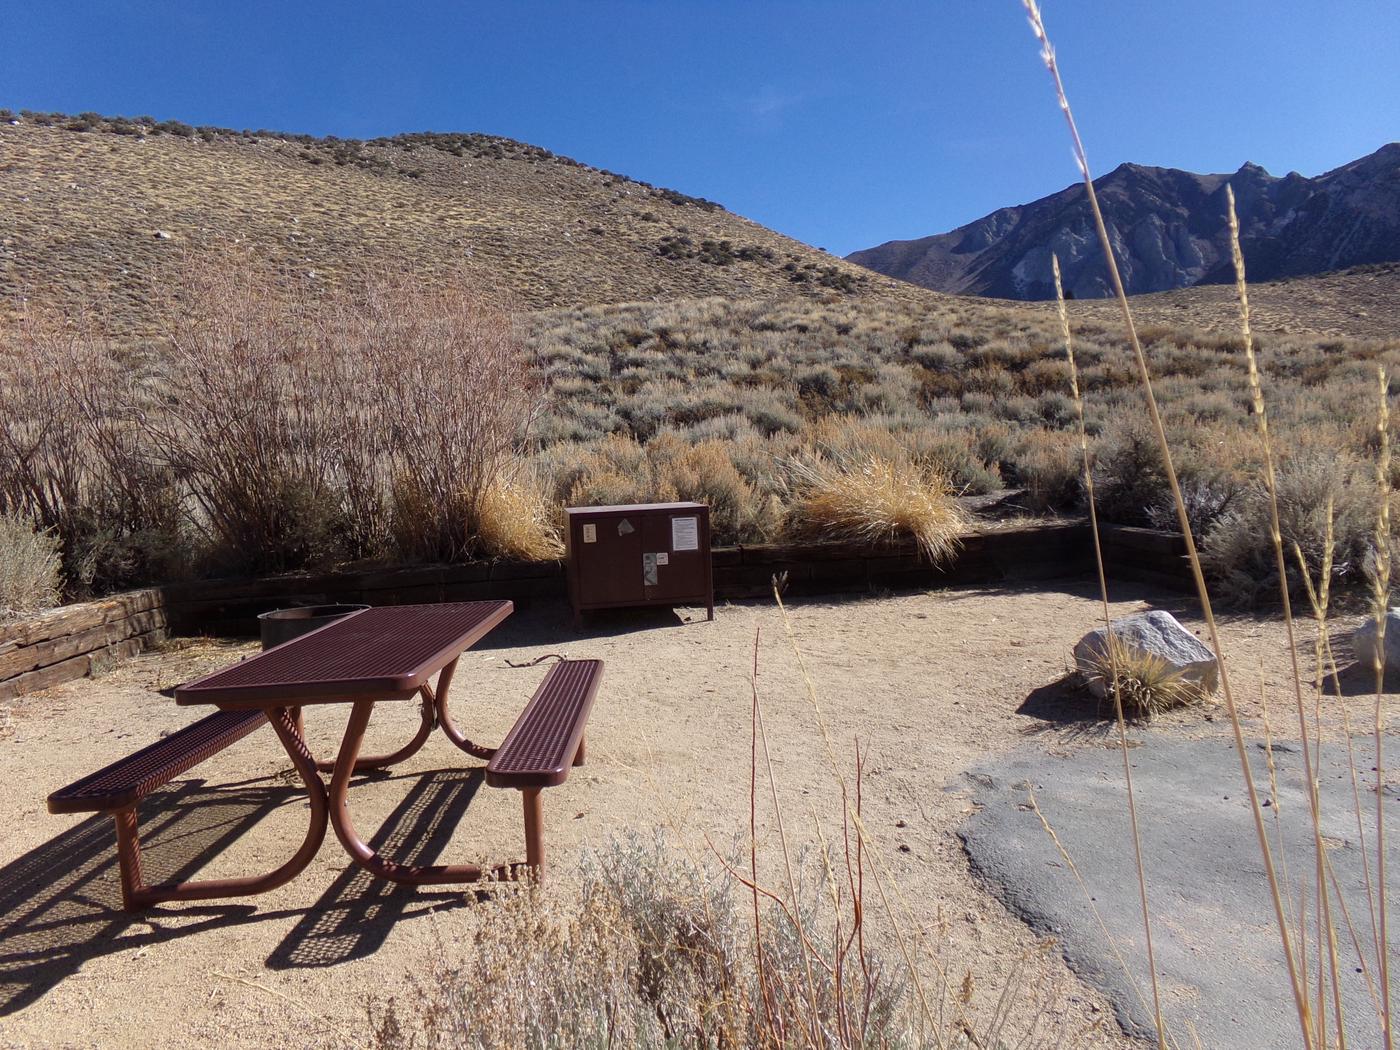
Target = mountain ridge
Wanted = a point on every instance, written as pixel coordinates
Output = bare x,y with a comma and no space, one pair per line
96,206
1169,231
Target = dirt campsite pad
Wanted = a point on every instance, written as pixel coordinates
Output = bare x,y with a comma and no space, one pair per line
932,685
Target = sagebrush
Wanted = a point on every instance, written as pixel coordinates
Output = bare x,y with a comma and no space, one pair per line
30,567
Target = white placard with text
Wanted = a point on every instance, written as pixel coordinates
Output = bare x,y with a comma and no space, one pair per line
685,534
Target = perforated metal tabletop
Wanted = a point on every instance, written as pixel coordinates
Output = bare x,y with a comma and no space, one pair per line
384,653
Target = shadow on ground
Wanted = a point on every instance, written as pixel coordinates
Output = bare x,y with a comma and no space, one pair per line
551,623
60,904
1065,708
353,917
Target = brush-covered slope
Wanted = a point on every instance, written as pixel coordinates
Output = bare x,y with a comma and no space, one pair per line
1168,228
94,206
1362,302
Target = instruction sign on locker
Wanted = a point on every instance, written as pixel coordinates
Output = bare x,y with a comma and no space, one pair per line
646,554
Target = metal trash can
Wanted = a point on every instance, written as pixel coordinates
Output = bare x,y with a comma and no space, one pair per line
282,625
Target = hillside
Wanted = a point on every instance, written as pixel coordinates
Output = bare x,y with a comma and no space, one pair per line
1169,231
1362,302
96,212
688,353
93,214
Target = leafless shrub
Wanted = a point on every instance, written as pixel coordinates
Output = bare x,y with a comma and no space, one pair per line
257,412
73,458
312,425
454,397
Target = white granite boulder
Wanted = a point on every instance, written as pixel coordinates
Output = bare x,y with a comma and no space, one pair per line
1159,634
1363,641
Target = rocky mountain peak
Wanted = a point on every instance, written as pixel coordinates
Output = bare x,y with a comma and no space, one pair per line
1169,231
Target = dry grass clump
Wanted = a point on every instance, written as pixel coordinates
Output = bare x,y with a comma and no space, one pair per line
514,519
1143,683
619,470
31,576
655,951
875,501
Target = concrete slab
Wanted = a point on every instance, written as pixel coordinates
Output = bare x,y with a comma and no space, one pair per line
1219,957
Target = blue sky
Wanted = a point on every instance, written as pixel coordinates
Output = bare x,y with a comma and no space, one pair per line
843,124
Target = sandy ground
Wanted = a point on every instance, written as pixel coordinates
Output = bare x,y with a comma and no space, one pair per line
930,684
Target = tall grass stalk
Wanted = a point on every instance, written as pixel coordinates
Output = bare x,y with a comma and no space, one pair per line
776,1009
1325,661
1381,580
1111,649
1145,377
886,885
787,855
1089,897
1261,418
753,831
861,831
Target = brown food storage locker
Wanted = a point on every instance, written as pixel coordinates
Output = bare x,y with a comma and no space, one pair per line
648,554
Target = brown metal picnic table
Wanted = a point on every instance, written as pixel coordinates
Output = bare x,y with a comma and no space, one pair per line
369,657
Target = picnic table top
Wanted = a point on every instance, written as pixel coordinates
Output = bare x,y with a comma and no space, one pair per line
382,653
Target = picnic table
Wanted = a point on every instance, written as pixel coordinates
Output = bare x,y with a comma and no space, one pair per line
379,655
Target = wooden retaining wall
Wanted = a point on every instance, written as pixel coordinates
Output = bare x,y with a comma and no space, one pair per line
992,556
80,640
1147,556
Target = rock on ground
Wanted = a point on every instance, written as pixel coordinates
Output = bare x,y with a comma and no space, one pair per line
1363,641
1159,634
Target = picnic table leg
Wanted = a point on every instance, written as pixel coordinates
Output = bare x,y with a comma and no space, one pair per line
444,717
360,852
136,895
425,729
534,830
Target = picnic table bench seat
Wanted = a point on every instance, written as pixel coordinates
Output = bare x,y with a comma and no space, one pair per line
127,781
546,740
116,790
